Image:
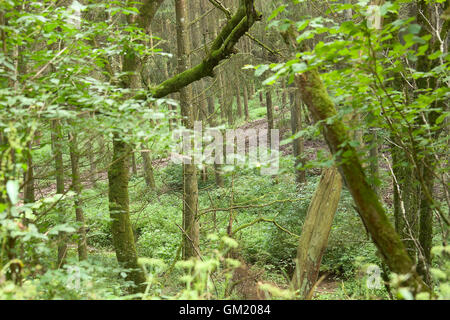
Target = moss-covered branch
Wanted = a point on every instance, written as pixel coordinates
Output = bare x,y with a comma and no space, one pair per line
221,48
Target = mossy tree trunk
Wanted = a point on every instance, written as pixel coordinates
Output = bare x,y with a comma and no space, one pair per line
148,170
315,231
118,172
428,17
406,201
122,232
373,155
29,190
369,207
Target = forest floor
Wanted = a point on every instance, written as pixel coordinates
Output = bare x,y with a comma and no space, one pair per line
311,148
252,277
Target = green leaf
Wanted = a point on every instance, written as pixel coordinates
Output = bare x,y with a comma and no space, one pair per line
261,69
12,188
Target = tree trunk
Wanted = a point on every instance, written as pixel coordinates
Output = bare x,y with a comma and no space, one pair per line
238,103
190,184
374,165
133,164
148,170
28,192
270,122
426,227
56,136
369,207
247,116
122,232
298,145
406,201
315,231
76,187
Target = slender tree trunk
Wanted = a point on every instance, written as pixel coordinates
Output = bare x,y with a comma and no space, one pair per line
56,137
298,145
190,194
238,103
222,96
315,231
28,192
247,116
426,228
229,110
92,162
270,121
133,164
212,123
284,93
406,201
148,170
76,187
118,172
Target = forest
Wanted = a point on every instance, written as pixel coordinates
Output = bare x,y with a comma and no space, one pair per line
224,150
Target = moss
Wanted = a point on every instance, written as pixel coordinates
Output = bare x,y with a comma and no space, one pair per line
222,48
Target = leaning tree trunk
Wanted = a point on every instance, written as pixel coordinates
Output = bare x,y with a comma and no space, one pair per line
315,231
427,15
406,201
118,172
369,207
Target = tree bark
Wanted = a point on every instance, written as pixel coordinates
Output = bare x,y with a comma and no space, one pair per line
122,232
247,116
76,187
56,136
190,183
315,231
270,121
148,170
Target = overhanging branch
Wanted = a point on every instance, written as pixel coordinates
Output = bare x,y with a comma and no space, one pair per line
221,48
